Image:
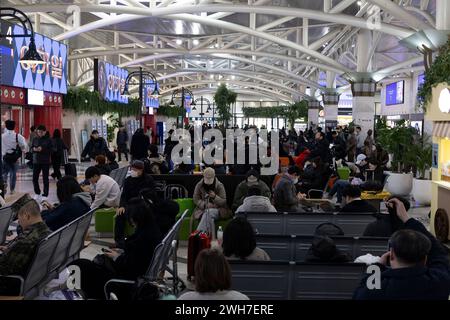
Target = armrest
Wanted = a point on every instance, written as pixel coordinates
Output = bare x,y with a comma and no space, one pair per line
117,282
19,279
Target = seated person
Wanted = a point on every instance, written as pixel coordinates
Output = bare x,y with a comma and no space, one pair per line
418,265
18,254
106,191
183,168
256,202
212,278
301,157
386,224
252,180
73,203
353,202
158,164
374,172
210,201
314,176
100,164
111,161
130,263
285,196
323,249
132,186
239,241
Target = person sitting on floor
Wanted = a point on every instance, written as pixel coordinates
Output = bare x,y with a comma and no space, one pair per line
418,265
129,264
19,253
256,202
252,180
73,203
210,201
353,201
105,189
212,278
239,241
100,164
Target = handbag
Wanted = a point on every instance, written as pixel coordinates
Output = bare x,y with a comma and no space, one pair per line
11,158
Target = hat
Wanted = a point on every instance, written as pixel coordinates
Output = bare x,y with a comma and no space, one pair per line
138,164
361,157
208,175
252,177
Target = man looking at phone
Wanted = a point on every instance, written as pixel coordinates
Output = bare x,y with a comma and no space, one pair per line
419,266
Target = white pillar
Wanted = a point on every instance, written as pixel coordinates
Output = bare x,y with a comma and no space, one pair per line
313,113
364,44
442,14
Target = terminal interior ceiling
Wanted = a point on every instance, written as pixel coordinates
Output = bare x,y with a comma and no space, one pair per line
270,49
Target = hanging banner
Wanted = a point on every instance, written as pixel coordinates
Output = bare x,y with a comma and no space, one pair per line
51,77
109,81
151,101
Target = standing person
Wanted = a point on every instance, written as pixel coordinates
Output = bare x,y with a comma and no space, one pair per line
139,145
10,142
95,146
33,135
122,143
369,140
57,154
351,145
359,140
42,148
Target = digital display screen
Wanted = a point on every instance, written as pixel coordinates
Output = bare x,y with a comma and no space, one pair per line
35,97
395,93
50,77
109,81
151,101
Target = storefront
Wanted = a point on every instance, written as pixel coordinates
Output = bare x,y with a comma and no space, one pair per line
438,111
32,95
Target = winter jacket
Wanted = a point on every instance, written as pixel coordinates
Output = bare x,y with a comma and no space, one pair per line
242,190
358,206
139,146
58,151
133,186
430,282
68,211
107,193
256,204
285,195
158,165
122,138
95,147
44,156
322,150
301,158
220,201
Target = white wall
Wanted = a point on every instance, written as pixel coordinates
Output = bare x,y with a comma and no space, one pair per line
409,102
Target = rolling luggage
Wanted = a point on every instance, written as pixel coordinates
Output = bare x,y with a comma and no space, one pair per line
70,169
198,241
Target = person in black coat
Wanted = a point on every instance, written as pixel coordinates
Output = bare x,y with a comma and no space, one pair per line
132,263
139,145
418,265
321,148
57,154
95,146
73,203
42,148
352,196
100,164
111,161
122,141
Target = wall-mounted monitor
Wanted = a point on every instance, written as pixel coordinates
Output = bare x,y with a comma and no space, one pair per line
395,93
35,97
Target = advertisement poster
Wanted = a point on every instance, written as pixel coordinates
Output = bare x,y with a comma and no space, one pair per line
109,81
51,76
151,101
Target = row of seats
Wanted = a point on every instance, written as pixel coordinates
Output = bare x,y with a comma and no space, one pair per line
276,280
295,247
52,255
6,216
282,223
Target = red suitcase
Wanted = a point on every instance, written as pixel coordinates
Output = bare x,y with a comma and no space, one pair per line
198,241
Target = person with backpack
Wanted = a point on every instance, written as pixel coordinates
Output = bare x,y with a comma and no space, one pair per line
95,146
57,154
13,144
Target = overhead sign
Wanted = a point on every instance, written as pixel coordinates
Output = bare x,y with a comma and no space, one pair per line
109,81
51,77
151,101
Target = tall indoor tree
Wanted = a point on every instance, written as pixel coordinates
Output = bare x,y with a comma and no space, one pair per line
224,98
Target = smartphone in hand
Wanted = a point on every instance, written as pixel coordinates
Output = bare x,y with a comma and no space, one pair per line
106,250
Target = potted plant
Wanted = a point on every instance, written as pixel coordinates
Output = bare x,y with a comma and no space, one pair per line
398,141
422,151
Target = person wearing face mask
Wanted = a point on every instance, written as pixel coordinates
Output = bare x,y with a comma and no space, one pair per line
252,181
18,254
285,196
132,186
105,189
210,199
94,147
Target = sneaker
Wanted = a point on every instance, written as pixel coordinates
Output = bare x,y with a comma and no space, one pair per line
37,197
44,198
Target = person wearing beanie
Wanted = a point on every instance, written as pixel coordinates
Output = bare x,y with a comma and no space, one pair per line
252,180
10,141
42,148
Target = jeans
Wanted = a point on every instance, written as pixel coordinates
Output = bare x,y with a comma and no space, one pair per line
37,168
207,221
10,169
337,189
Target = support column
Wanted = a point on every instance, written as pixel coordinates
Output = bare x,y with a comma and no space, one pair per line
313,113
442,14
330,107
364,105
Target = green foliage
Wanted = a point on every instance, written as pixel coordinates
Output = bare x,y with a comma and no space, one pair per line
83,101
439,72
263,112
398,141
113,124
171,112
295,111
224,98
422,153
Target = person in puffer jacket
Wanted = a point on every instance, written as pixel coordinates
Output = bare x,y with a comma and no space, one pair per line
255,202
